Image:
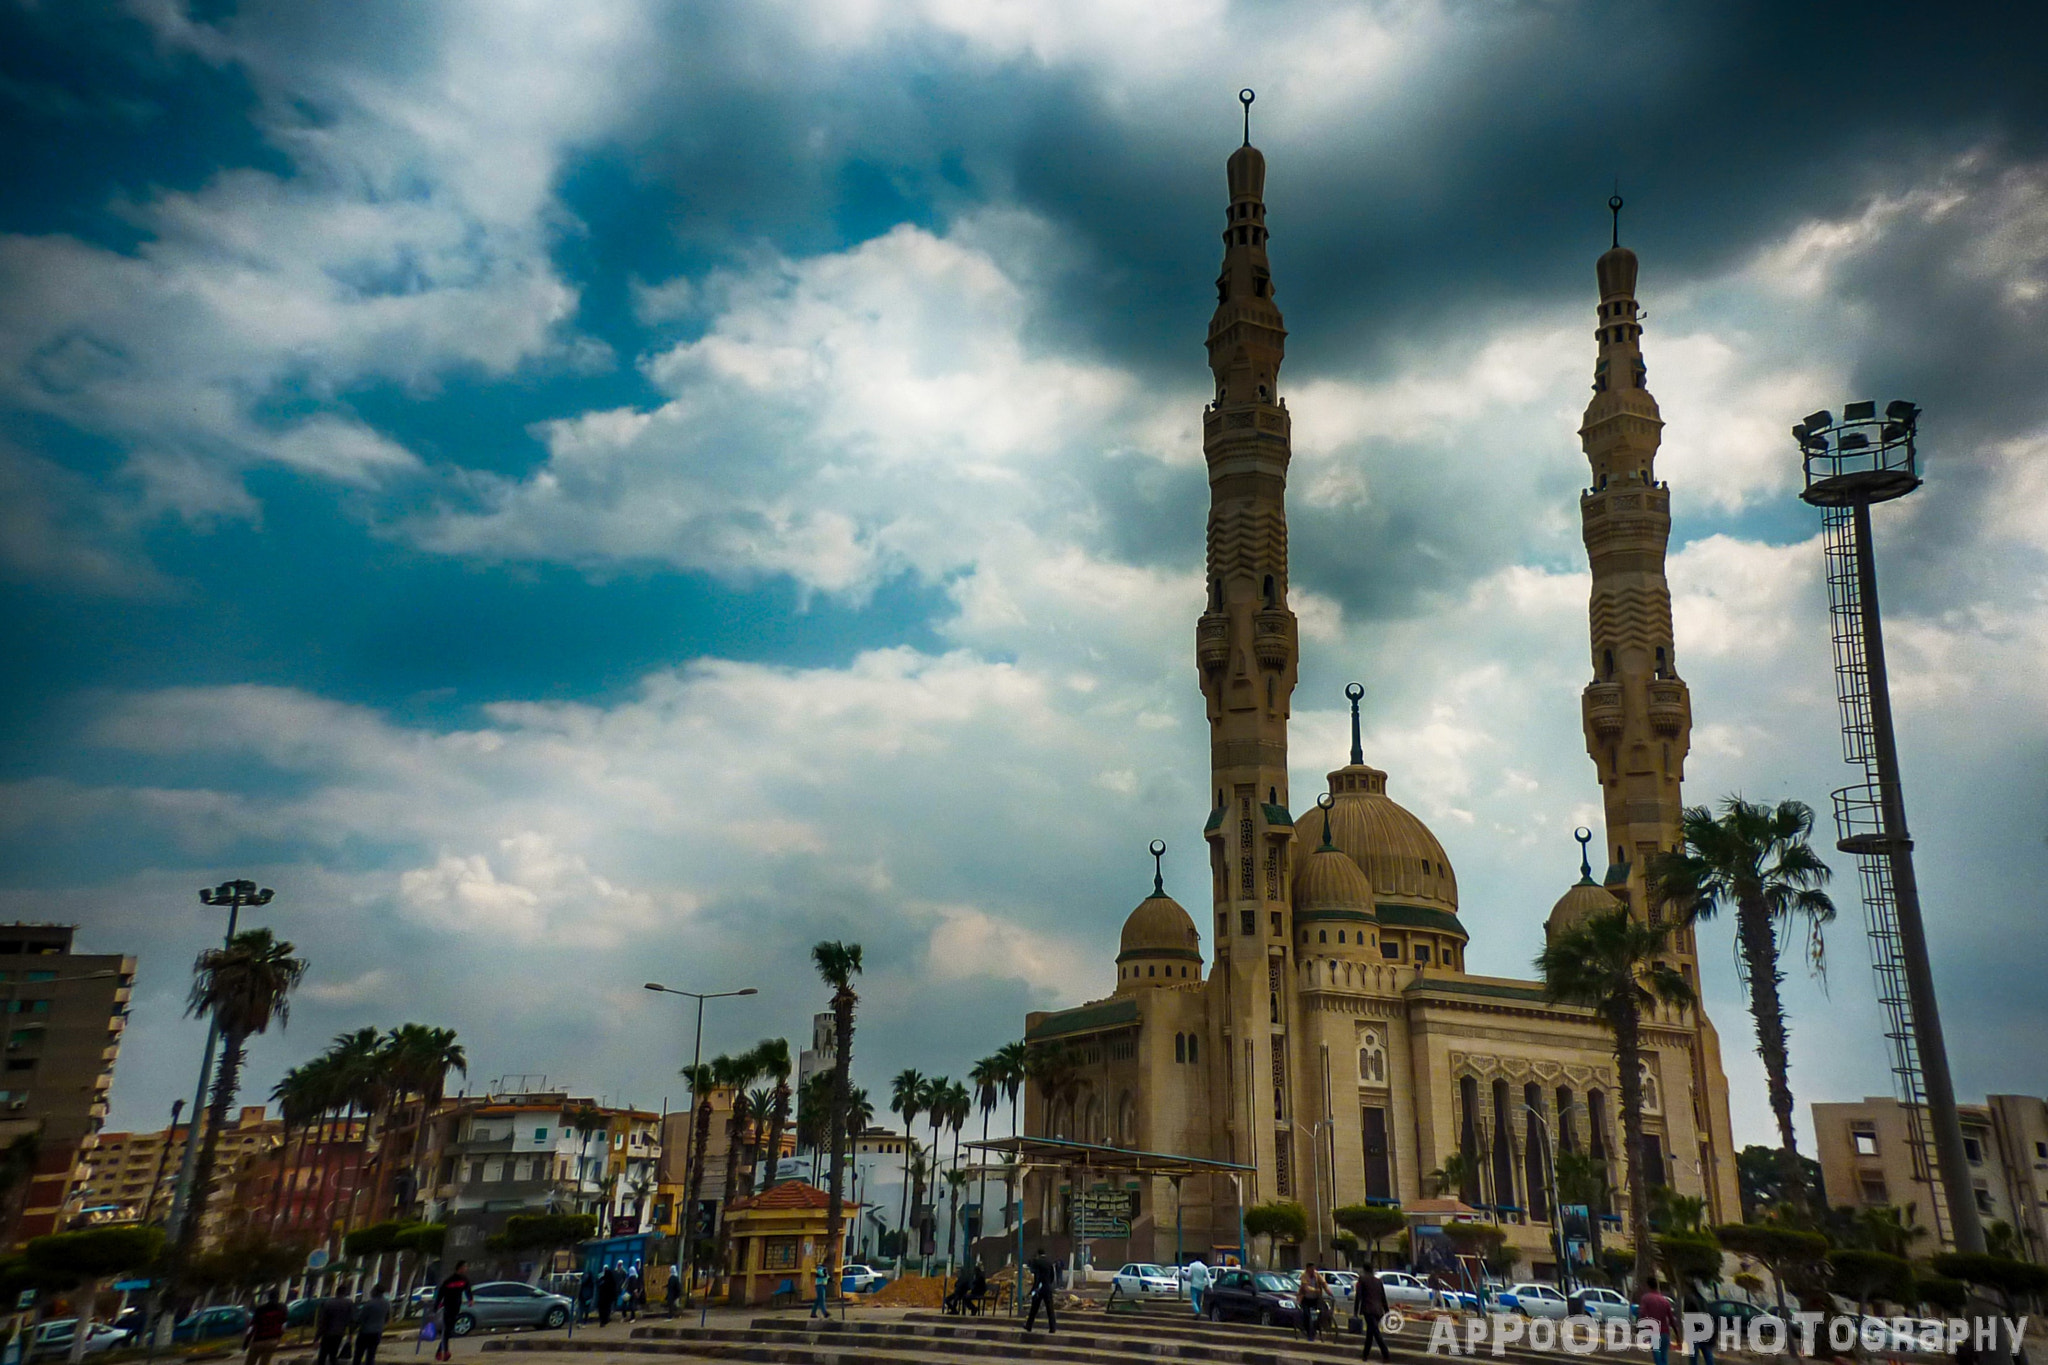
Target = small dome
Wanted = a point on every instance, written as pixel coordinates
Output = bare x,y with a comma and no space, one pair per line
1160,928
1585,898
1617,271
1400,857
1327,879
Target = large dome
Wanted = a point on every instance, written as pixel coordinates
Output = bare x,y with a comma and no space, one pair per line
1399,856
1327,878
1160,928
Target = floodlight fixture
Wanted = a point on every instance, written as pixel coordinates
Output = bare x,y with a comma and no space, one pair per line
1819,421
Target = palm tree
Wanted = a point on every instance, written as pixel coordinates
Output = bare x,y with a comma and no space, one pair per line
585,1120
421,1058
773,1054
1451,1175
906,1097
1755,861
298,1097
838,964
860,1111
956,1181
1609,963
761,1105
936,1089
1014,1059
245,986
702,1080
987,1075
813,1114
364,1063
959,1106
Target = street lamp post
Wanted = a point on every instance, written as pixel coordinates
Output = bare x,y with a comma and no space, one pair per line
696,1060
1564,1273
234,895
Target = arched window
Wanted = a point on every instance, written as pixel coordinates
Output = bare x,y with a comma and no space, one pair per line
1607,663
1322,935
1372,1057
1567,1121
1194,1050
1340,936
1267,588
1180,1047
1653,1100
1216,604
1662,671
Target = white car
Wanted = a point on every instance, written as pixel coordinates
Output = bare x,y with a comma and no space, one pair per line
1142,1279
1343,1285
1601,1304
1404,1290
53,1339
1534,1300
862,1279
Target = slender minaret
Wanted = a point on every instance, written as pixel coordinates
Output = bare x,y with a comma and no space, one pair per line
1246,652
1638,714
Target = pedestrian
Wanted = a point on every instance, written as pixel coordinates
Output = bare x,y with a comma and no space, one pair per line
371,1317
1043,1276
1198,1283
1310,1299
675,1289
631,1303
1652,1307
266,1331
1703,1349
607,1296
331,1321
956,1302
450,1297
1371,1301
977,1291
586,1297
821,1283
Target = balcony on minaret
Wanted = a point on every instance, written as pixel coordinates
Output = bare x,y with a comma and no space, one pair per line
1668,709
1603,709
1273,638
1212,641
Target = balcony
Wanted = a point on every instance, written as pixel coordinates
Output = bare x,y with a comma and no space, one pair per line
1668,709
1603,709
1212,642
1273,638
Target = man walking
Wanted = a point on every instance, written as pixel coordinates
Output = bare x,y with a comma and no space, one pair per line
607,1296
1310,1298
371,1318
454,1292
331,1321
821,1284
266,1331
1654,1308
675,1289
1042,1276
1198,1283
1371,1301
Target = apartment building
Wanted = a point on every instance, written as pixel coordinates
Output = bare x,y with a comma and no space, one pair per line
130,1176
1868,1157
66,1012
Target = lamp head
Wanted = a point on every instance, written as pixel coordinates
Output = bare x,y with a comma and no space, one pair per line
746,990
656,986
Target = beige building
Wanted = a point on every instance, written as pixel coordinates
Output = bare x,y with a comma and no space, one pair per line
66,1013
131,1175
1869,1156
1338,1045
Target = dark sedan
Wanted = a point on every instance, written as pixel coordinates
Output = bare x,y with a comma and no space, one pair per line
1252,1296
209,1324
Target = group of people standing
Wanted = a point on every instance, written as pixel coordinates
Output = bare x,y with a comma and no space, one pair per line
336,1320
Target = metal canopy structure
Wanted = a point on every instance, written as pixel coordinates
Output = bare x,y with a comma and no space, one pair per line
1041,1152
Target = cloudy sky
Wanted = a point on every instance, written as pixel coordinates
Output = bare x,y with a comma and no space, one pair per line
575,494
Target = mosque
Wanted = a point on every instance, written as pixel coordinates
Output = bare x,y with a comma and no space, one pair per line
1336,1047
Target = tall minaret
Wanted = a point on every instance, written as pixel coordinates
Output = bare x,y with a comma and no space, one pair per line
1638,714
1246,652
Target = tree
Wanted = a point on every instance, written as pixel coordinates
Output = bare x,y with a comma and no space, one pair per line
1864,1275
1786,1252
2010,1280
17,1163
1890,1229
1451,1175
1368,1223
773,1054
1940,1292
959,1105
245,1258
906,1098
546,1233
245,986
1756,862
1675,1212
701,1082
585,1120
1013,1059
734,1074
1609,962
1760,1180
1689,1257
986,1076
838,964
419,1057
1277,1220
1582,1180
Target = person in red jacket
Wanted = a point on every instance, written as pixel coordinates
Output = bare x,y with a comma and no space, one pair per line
266,1332
449,1299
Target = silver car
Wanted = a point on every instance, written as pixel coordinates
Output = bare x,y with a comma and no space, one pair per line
511,1303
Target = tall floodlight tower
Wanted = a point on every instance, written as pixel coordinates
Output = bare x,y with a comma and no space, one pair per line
1850,465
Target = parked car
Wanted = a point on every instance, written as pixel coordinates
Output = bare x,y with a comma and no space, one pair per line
210,1324
1601,1304
1474,1300
301,1312
1343,1285
511,1303
862,1279
1745,1315
53,1339
1405,1290
1533,1299
1262,1296
1142,1279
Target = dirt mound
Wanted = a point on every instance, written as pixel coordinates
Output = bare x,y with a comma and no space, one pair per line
911,1291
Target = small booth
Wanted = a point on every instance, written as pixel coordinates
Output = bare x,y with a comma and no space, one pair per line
777,1240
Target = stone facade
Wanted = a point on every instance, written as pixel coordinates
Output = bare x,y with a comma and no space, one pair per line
1867,1157
1339,1047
